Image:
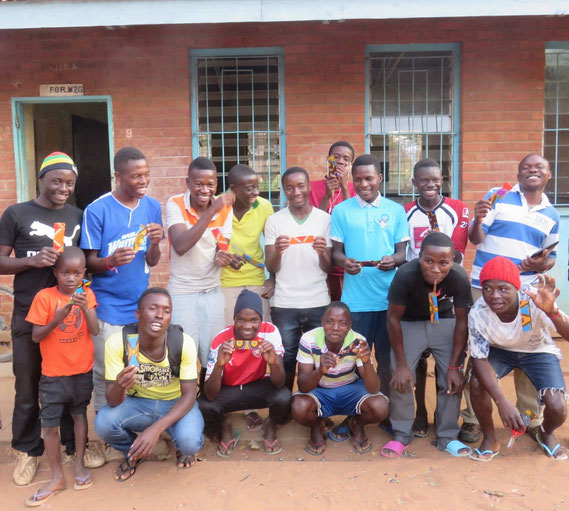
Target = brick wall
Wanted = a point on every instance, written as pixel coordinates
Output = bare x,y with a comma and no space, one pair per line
146,71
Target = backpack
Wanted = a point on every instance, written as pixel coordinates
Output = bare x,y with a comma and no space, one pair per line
174,342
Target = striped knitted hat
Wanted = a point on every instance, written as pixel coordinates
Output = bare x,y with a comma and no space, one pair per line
55,161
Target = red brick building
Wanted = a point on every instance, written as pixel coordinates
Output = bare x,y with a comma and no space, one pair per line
476,92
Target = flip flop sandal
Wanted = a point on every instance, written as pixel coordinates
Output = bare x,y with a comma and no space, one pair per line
477,453
125,469
317,445
269,445
38,498
82,483
253,422
395,446
421,431
550,452
454,446
184,460
228,447
359,443
339,434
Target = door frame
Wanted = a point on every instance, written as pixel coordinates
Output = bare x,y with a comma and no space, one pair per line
18,128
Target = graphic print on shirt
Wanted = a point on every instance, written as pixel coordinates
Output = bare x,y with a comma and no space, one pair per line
39,229
151,375
71,323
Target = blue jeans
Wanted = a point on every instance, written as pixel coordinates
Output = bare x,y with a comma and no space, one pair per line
543,369
117,425
292,323
373,326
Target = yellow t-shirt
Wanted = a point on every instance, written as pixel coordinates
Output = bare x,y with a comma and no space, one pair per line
246,238
154,380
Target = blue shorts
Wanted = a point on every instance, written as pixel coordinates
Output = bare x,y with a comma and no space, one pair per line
344,400
543,369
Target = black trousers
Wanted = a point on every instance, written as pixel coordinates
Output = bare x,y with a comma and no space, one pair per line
26,365
252,396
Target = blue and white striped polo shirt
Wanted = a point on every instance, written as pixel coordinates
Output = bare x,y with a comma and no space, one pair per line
515,230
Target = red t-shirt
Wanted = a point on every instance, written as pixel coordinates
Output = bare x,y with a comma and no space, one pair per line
68,349
317,192
246,364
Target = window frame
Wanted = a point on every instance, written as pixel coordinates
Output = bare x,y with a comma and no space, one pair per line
562,46
455,49
270,51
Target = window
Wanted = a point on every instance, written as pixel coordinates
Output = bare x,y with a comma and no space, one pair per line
238,113
556,120
412,113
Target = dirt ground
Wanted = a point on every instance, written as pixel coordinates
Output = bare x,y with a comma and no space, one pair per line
521,478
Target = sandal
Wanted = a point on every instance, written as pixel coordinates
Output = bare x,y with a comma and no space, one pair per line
270,446
183,462
395,446
551,453
82,483
253,421
487,455
38,498
420,430
126,468
339,433
229,447
358,445
455,446
315,448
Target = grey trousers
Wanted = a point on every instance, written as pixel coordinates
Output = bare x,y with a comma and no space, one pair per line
417,337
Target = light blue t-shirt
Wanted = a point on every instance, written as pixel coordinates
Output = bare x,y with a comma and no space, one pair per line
108,225
368,233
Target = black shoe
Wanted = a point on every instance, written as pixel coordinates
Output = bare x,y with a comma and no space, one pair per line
469,433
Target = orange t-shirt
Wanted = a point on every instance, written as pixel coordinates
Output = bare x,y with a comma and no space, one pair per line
68,349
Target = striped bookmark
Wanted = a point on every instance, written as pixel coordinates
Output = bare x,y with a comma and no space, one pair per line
133,349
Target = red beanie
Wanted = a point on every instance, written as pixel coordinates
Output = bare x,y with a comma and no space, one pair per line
501,268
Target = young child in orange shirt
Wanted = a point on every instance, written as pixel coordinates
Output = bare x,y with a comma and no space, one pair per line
64,319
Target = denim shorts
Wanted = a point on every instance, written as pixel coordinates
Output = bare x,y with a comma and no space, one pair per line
543,369
344,400
58,392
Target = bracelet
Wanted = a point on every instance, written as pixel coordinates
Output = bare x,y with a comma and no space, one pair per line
556,314
109,267
457,368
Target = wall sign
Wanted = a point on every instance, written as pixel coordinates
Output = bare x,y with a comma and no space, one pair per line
61,89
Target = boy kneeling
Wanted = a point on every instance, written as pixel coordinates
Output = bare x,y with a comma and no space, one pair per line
64,319
506,330
240,358
328,384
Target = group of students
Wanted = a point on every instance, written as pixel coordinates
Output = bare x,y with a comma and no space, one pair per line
342,271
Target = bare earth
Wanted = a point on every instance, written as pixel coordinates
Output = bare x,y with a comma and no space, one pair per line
521,478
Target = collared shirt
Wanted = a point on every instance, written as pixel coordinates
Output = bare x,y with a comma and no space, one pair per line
195,270
368,231
364,204
246,238
516,230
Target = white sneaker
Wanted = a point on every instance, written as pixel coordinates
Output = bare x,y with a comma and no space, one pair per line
25,470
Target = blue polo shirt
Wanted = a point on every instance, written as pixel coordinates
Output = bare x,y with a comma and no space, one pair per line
368,231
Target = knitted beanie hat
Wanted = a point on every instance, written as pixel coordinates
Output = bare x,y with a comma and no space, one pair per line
501,268
55,161
248,300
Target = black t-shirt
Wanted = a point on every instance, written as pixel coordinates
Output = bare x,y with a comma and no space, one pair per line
27,228
410,289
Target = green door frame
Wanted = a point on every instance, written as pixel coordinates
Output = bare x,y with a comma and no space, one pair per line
18,128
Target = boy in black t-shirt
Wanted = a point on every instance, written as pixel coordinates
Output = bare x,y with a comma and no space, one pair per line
27,229
421,316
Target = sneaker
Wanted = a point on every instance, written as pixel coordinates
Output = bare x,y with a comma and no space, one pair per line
93,457
25,470
469,433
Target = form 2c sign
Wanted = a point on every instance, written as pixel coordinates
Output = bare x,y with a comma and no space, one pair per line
61,89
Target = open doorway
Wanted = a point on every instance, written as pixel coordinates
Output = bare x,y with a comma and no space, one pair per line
79,127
